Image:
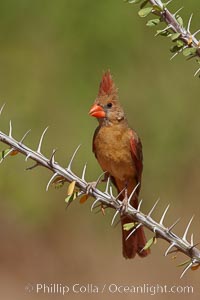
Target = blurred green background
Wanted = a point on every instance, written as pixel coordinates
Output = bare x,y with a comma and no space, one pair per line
52,55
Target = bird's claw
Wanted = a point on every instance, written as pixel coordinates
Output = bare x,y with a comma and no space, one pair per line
90,186
105,177
124,204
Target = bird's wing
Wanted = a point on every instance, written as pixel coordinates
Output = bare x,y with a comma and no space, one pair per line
136,153
93,144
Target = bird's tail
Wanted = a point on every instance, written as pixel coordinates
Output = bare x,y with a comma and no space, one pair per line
135,243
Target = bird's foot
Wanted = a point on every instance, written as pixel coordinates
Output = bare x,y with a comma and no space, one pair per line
124,204
105,177
92,185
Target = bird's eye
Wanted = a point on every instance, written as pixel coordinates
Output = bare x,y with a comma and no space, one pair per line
109,105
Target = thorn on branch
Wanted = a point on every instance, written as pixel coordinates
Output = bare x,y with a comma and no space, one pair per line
41,140
186,269
153,208
32,167
1,109
168,2
192,247
194,34
189,23
195,74
94,203
117,198
7,153
51,180
132,193
163,30
186,230
175,54
72,158
192,240
84,171
178,11
107,186
163,215
25,135
139,205
10,129
111,192
114,217
27,157
174,224
52,158
169,248
134,229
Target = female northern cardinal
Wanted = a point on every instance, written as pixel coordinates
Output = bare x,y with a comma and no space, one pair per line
119,152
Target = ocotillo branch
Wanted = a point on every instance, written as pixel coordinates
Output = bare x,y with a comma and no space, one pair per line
106,198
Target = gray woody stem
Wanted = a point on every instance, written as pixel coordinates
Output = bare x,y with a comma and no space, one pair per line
107,199
171,20
159,8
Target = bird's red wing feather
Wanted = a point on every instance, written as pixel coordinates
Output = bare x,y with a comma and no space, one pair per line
94,136
136,153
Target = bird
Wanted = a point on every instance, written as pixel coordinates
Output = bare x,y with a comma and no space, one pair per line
118,150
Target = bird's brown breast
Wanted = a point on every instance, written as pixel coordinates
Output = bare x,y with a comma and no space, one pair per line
112,149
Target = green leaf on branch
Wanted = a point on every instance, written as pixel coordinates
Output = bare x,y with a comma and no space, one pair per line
133,1
128,226
175,48
144,12
175,36
71,193
153,22
144,4
179,20
149,243
71,188
157,8
71,198
189,51
163,32
165,4
184,263
180,43
3,153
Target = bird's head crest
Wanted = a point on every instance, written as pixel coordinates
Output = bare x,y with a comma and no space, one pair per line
107,85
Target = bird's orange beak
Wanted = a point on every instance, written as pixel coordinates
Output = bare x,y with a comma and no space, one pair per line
97,111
